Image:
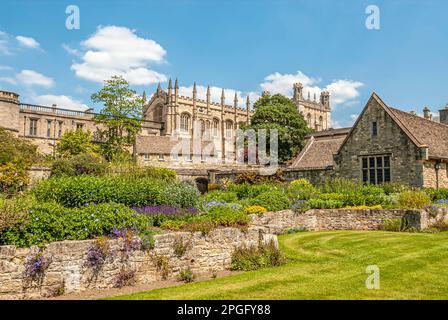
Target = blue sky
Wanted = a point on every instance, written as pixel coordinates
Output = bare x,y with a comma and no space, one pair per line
245,46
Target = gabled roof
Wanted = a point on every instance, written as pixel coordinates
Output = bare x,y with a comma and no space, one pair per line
424,133
319,149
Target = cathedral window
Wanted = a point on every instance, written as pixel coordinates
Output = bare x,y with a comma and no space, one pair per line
308,119
202,128
158,113
229,129
185,122
215,127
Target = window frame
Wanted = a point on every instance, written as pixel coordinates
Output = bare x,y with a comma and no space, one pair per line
374,169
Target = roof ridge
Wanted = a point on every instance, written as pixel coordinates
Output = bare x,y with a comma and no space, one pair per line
418,117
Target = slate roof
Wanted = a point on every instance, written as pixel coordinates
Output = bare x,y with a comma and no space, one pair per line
319,149
424,132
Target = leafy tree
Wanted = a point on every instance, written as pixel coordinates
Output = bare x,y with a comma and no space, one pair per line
280,113
16,150
121,115
16,157
76,142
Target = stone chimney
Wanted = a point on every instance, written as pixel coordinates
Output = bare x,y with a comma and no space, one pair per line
444,115
427,113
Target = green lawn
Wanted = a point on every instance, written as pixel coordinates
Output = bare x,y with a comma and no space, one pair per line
332,265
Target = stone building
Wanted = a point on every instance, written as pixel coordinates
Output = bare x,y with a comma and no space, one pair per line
176,130
316,113
384,145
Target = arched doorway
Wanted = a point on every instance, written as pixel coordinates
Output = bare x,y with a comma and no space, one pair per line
202,185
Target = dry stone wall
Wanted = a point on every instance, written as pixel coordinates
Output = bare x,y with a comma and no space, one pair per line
336,219
202,254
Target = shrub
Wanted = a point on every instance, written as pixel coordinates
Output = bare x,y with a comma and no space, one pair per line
125,278
300,183
134,172
436,194
390,188
84,163
302,189
213,187
36,265
324,204
99,251
75,142
13,178
180,246
256,210
50,222
253,177
17,151
398,225
161,213
173,224
253,258
365,207
81,190
162,264
413,199
14,212
187,275
222,196
147,239
223,216
273,201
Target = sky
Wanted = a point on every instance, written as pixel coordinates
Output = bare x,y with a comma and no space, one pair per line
242,46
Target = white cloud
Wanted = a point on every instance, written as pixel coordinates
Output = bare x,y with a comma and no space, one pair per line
354,116
342,92
114,50
9,80
282,83
32,78
71,51
28,42
4,43
5,68
63,102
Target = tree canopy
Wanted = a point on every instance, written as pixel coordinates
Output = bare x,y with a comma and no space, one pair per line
280,113
121,115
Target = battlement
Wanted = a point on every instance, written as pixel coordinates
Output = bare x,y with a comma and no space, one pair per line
7,96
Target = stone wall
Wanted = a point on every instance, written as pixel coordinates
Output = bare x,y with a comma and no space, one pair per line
38,173
336,219
204,254
433,178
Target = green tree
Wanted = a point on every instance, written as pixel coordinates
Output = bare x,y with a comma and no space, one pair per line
279,112
16,157
76,142
121,115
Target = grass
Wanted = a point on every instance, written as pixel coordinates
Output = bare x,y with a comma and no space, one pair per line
332,265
